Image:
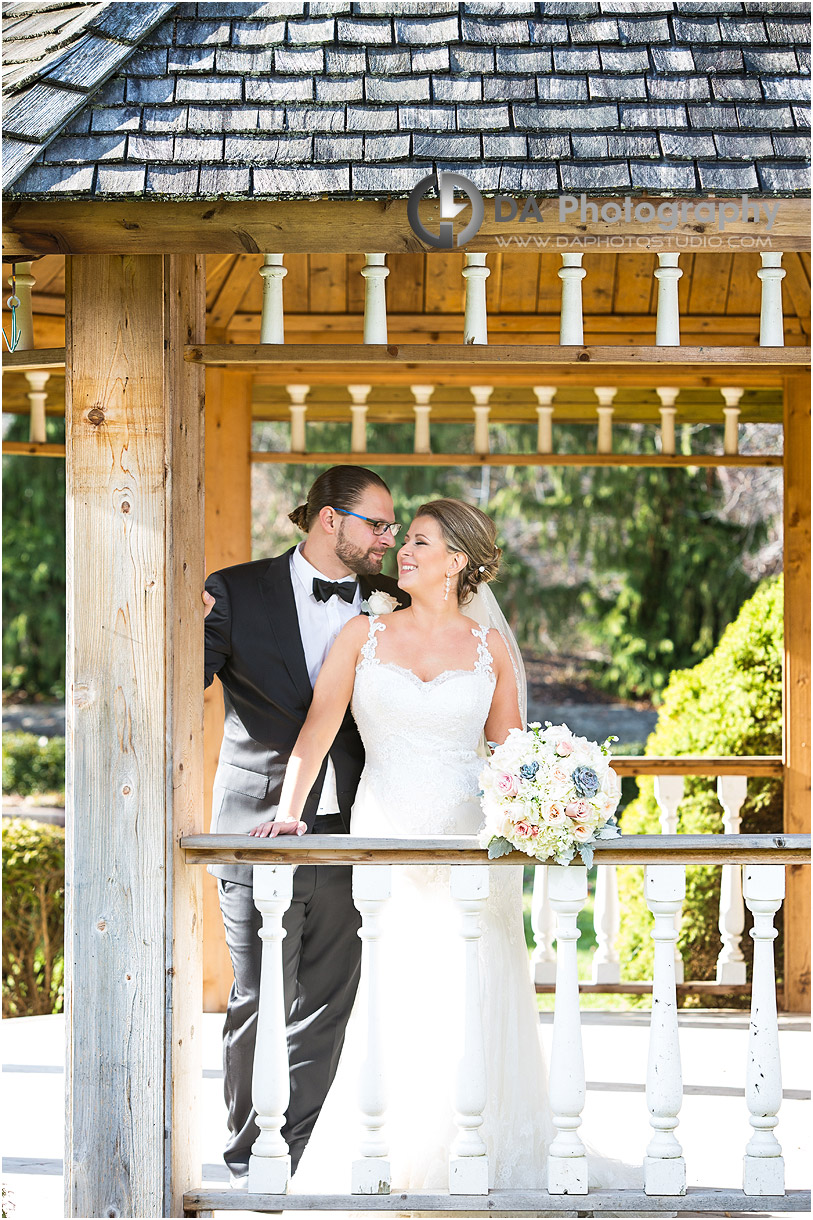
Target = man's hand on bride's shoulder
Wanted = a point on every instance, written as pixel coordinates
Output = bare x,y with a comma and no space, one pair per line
270,830
208,602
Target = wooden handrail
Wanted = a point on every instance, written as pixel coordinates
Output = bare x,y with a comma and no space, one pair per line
670,461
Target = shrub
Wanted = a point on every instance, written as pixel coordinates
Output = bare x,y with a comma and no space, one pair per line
33,764
731,703
33,917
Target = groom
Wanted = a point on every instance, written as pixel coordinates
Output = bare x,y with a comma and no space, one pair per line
269,626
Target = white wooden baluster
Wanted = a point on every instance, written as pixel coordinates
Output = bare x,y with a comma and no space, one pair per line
468,1162
731,411
375,298
763,1164
731,792
543,958
669,794
605,396
25,282
269,1166
422,409
544,414
298,411
37,396
475,273
664,1166
667,327
571,323
667,395
771,322
372,885
481,395
567,1161
272,326
607,923
358,417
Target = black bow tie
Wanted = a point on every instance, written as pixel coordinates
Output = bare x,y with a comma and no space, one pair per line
323,590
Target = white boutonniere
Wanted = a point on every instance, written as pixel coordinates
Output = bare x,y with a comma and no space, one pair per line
380,602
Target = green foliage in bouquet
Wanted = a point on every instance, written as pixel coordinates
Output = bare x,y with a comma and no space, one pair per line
29,767
33,917
731,703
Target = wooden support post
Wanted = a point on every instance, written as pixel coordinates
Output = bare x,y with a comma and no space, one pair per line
228,541
134,449
797,683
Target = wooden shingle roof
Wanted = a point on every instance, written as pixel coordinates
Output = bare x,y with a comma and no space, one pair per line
272,100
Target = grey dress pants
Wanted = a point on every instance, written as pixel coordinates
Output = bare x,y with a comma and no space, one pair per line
321,963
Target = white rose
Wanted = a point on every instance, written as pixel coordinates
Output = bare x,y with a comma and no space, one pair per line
380,602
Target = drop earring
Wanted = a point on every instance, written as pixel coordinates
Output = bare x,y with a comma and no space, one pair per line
447,587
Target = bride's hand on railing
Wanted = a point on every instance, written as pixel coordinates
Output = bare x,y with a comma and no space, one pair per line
270,830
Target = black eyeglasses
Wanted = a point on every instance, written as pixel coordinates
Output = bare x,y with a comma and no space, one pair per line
378,527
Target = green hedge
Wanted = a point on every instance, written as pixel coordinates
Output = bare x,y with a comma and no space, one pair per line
33,917
731,703
32,764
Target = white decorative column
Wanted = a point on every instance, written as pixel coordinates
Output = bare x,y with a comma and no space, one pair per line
468,1162
571,325
475,274
668,396
481,395
669,794
667,327
543,958
375,298
664,1166
269,1166
298,411
544,414
37,380
358,417
605,396
372,884
731,411
272,326
567,1160
23,284
763,1164
731,792
607,923
423,411
771,322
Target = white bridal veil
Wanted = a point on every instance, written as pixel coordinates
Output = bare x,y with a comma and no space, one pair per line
484,608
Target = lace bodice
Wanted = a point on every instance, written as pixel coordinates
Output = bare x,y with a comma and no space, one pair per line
420,740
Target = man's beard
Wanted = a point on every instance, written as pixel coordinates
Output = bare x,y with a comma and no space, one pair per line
363,563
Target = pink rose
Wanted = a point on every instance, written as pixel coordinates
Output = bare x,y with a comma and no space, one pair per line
572,809
526,830
564,748
555,814
506,785
581,832
578,810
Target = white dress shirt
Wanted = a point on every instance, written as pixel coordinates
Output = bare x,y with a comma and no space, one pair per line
319,624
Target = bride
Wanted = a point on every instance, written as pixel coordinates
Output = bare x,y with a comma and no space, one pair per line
424,685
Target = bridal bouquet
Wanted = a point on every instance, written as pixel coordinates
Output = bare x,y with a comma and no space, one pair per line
548,793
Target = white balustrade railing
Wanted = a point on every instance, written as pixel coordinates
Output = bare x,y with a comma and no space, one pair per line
422,410
37,396
667,325
481,394
545,395
731,413
571,322
475,324
375,273
605,396
468,1163
371,1172
606,968
771,322
668,411
358,417
543,957
731,793
272,325
669,794
298,412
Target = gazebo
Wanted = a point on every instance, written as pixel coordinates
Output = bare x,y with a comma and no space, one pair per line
192,192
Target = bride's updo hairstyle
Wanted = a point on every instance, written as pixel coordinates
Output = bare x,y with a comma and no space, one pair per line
466,529
339,487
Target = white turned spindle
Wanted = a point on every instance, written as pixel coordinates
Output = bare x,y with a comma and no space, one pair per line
298,412
372,884
763,1164
771,323
664,1166
607,924
375,298
468,1161
567,1160
731,792
25,282
423,411
571,324
481,395
358,417
475,273
544,414
669,794
731,411
543,958
667,327
269,1166
272,325
37,396
667,396
605,396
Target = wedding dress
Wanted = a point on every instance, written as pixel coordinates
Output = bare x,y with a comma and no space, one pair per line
421,780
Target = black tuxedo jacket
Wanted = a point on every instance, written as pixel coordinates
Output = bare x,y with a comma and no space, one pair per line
253,644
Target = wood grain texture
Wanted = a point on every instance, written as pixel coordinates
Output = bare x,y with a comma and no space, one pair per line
671,461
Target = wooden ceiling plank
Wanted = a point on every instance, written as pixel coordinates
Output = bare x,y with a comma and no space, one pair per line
405,283
634,280
327,283
798,291
295,293
445,291
549,286
229,297
744,287
494,283
520,281
217,268
709,292
598,286
355,283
